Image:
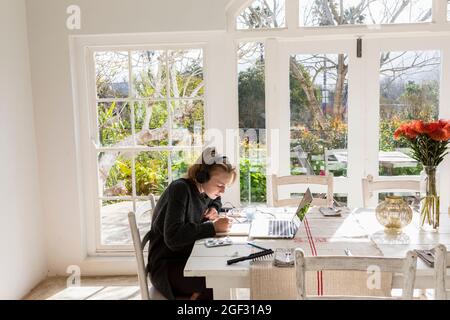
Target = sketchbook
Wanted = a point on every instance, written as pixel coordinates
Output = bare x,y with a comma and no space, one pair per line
237,229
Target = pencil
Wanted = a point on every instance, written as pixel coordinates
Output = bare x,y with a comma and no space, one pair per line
254,245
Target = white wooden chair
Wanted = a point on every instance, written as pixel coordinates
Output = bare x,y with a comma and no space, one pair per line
369,185
152,198
441,263
407,266
146,292
302,179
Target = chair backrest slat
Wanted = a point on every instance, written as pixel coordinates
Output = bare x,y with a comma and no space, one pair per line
277,181
353,263
441,263
406,266
369,185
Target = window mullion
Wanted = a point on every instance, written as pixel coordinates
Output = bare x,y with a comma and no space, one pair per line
292,13
372,107
439,12
133,130
356,118
169,117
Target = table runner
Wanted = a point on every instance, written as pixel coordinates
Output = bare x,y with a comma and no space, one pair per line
320,236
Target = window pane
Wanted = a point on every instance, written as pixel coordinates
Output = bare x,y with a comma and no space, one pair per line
151,123
169,85
149,74
151,172
115,173
187,122
111,74
115,229
186,73
315,13
409,90
319,94
341,199
262,14
114,124
253,155
181,160
252,122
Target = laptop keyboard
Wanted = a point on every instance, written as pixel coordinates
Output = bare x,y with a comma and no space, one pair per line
282,228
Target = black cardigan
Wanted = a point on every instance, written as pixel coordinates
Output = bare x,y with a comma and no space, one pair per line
176,224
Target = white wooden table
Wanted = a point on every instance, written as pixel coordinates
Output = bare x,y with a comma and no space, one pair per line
211,262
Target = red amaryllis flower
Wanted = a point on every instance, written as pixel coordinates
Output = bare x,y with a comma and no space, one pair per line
428,140
399,132
431,127
439,135
410,132
419,126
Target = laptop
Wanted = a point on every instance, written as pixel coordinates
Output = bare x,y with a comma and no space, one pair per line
282,228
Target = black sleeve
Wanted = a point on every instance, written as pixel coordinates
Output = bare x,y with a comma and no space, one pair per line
216,203
178,232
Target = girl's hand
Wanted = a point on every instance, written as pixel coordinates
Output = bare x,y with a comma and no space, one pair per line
212,214
222,224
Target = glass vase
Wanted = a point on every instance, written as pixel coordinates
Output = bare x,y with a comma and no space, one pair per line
394,214
429,205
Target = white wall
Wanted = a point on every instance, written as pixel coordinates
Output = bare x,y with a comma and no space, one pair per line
53,99
23,257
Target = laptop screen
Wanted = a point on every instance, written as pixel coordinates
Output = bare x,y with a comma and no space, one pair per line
304,205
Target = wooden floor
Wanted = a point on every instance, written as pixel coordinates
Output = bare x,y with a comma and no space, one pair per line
91,288
120,288
96,288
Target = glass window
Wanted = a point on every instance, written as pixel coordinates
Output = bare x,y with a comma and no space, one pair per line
314,13
409,90
150,123
448,10
318,113
262,14
252,122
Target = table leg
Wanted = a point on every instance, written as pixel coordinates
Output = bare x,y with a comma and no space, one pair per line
222,293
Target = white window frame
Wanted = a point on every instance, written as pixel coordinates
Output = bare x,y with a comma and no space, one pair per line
217,112
286,49
277,86
96,147
363,122
374,48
